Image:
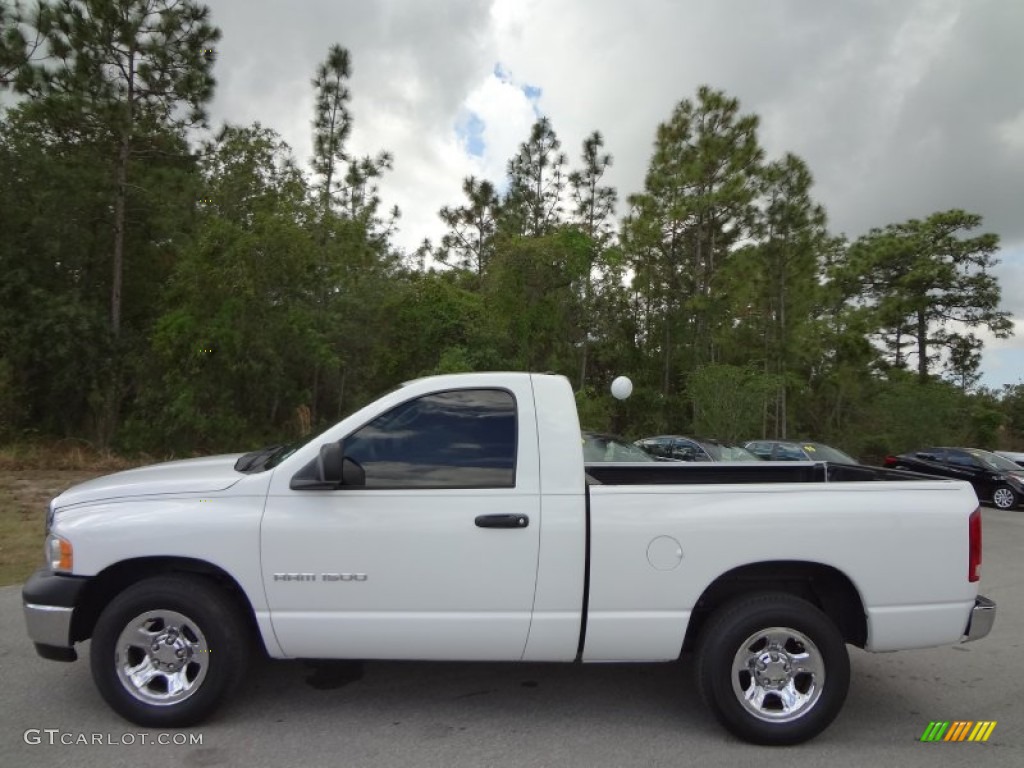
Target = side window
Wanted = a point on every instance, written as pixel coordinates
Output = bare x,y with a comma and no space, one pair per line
762,449
686,451
457,439
790,452
961,459
656,447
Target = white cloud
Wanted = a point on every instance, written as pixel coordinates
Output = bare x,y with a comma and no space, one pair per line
507,115
900,109
1011,132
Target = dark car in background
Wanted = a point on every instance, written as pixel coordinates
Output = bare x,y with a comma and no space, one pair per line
680,448
797,450
995,478
599,447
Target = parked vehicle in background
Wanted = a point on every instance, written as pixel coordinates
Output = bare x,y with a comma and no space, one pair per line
995,478
601,447
679,448
797,450
1014,456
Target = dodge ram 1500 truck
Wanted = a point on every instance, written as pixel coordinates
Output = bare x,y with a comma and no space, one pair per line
455,519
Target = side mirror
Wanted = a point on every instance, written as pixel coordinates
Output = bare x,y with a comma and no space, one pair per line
330,470
330,465
352,473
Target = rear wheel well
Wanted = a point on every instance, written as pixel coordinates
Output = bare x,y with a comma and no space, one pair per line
110,582
821,585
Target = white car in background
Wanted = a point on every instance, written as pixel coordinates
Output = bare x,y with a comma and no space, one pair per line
1015,456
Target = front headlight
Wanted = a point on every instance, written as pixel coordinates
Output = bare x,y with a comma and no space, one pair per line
59,554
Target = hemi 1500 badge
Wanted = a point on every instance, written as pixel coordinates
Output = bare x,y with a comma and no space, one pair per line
323,577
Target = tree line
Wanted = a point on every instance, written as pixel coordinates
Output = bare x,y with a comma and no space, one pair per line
160,293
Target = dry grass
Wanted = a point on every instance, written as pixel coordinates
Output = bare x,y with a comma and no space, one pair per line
30,475
76,455
24,495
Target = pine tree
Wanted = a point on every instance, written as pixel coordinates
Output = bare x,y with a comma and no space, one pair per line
123,68
332,122
593,209
469,241
924,280
533,205
696,206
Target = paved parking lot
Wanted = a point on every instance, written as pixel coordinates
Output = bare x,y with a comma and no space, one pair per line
418,714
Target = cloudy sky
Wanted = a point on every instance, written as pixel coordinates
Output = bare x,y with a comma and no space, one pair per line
900,108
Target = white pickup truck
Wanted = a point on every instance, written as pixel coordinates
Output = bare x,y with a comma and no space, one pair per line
455,519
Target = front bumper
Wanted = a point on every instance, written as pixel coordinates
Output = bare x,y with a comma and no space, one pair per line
983,615
49,600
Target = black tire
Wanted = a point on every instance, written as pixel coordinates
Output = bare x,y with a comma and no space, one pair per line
210,635
1004,497
730,635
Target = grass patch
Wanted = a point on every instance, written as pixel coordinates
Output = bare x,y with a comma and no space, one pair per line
24,495
32,473
69,454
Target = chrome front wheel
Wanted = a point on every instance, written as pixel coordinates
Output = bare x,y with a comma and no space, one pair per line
162,657
167,650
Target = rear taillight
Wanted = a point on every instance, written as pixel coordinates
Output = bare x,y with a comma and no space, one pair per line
890,460
974,546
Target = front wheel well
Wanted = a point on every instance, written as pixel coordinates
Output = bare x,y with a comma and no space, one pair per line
111,581
822,585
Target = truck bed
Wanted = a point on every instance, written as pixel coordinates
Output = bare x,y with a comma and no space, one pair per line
686,473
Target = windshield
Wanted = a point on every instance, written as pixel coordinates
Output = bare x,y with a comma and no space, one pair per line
819,452
727,452
992,461
607,448
282,453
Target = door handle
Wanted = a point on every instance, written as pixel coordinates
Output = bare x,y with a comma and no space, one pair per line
502,521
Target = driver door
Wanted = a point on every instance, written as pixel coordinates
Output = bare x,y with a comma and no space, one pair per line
408,566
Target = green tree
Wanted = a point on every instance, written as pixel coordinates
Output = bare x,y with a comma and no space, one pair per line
125,67
346,184
774,283
237,335
124,78
353,253
55,192
332,122
924,281
593,211
963,364
469,241
532,293
907,414
728,400
533,205
17,51
697,205
1011,406
435,324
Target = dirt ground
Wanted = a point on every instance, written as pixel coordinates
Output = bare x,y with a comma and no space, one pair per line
24,495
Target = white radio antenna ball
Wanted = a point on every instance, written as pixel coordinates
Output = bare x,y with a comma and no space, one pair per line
622,388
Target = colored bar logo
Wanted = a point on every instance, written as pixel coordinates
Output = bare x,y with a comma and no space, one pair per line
958,730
